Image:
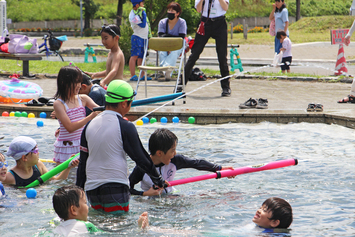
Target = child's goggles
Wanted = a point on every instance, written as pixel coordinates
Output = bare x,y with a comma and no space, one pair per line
108,27
2,164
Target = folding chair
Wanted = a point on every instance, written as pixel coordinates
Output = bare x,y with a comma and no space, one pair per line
164,44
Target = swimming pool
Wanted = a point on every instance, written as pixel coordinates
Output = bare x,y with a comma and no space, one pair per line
320,188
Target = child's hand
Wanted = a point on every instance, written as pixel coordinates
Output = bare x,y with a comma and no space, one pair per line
90,74
347,40
103,83
153,192
274,6
143,220
229,168
283,49
94,114
74,162
56,133
53,115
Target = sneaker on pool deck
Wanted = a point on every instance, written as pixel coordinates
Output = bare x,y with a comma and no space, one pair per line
226,92
249,104
262,104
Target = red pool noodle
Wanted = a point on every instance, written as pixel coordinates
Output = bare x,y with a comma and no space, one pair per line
237,171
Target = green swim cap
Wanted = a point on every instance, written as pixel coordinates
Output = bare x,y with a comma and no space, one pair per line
119,91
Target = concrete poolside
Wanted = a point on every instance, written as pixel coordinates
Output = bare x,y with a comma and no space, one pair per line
288,99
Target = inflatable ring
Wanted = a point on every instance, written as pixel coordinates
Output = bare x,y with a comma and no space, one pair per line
17,91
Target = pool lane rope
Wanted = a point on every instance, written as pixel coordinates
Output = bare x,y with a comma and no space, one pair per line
236,171
44,177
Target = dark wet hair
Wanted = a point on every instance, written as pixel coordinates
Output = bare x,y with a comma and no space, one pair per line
86,79
281,210
282,7
68,76
279,33
162,139
112,30
175,6
64,198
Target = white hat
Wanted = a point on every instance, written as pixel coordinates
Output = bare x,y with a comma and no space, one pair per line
21,146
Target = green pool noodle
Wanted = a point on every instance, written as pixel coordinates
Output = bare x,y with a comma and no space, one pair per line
44,177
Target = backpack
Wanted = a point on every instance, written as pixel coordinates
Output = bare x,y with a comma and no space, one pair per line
197,75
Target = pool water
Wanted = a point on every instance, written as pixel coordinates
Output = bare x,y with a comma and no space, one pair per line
320,188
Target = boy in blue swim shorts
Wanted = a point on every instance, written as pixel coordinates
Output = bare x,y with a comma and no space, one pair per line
140,25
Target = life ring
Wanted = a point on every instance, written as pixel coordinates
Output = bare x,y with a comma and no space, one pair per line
17,91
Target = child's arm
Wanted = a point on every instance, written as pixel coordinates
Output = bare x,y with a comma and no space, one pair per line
63,175
135,177
88,102
94,75
144,19
115,63
61,114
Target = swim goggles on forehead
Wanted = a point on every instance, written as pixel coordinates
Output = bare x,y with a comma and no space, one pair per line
34,151
120,97
108,27
2,164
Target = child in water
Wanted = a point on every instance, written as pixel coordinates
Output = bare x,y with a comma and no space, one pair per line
28,166
110,35
69,202
274,213
162,147
69,108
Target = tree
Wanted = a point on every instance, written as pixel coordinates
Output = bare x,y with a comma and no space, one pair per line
298,10
119,12
89,9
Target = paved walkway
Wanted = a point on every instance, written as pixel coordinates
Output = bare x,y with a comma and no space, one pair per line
284,96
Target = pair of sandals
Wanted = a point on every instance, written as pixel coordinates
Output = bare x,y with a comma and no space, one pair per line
41,102
351,99
312,107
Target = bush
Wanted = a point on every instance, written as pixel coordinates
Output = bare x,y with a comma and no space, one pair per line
257,29
238,28
125,40
88,32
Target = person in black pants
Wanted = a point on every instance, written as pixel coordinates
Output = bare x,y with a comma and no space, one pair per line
213,12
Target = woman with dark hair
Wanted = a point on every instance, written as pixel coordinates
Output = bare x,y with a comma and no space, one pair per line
279,13
172,26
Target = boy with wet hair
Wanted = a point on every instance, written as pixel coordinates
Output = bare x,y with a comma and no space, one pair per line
94,91
162,147
110,35
274,213
69,202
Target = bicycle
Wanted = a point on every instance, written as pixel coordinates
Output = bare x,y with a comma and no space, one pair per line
54,45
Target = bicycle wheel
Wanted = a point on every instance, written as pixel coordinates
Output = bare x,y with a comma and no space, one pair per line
60,56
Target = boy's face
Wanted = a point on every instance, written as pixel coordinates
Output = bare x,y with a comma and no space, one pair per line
262,218
108,40
166,158
83,209
3,165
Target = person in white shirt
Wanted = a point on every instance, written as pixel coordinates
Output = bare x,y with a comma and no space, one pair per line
286,49
215,26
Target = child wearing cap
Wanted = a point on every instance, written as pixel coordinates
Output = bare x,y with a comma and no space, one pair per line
69,202
140,25
28,166
110,35
105,141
